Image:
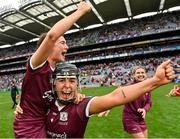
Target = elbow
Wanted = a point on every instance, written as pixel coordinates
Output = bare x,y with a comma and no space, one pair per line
52,36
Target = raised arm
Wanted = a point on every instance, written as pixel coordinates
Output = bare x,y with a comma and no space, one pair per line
122,95
55,32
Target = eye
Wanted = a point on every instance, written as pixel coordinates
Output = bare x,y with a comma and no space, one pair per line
72,80
63,42
61,80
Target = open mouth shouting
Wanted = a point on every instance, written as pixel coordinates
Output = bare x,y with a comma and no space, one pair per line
67,93
63,54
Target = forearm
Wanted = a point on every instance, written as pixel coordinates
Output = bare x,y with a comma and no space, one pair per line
65,24
122,95
132,92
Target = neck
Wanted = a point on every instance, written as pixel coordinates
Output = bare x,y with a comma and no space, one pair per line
65,102
52,63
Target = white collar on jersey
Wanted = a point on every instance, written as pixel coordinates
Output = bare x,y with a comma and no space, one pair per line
58,106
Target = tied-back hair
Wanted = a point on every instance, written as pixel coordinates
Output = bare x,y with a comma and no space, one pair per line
41,38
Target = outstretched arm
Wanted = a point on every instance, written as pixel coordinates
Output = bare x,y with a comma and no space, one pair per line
122,95
55,32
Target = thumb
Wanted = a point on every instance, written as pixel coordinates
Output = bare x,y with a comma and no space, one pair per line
164,64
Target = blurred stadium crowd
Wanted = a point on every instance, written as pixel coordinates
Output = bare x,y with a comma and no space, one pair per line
94,75
134,28
103,73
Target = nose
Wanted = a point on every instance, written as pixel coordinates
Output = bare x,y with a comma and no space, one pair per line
142,73
67,83
66,46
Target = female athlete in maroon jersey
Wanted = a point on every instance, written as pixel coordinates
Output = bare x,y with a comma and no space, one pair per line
134,113
36,88
68,120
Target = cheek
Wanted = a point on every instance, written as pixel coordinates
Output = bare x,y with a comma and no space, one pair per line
57,86
57,49
75,87
54,53
145,75
57,52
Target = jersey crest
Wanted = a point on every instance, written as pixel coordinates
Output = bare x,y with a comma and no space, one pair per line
63,116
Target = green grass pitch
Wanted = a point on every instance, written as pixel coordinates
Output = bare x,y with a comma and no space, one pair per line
163,119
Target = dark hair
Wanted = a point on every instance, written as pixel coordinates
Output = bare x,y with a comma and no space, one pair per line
41,38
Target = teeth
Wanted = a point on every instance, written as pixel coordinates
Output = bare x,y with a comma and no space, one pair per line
67,91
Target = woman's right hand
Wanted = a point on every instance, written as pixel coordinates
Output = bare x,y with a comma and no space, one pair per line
84,7
164,73
18,110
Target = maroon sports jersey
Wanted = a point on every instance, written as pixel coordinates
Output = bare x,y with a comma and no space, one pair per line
130,109
69,122
35,98
132,120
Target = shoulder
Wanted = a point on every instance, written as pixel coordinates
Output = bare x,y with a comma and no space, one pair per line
41,68
83,108
85,100
83,104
